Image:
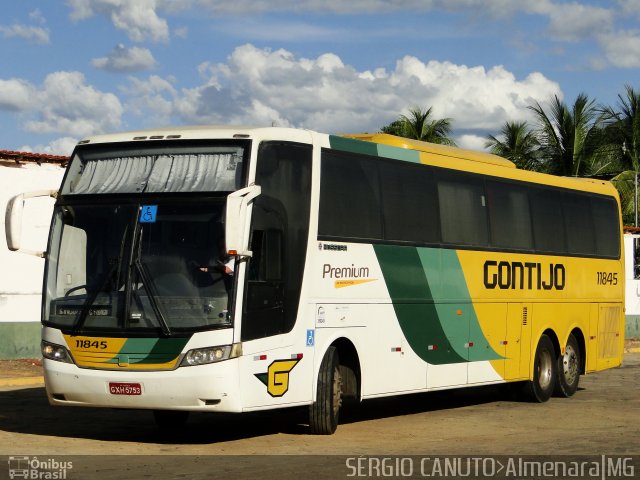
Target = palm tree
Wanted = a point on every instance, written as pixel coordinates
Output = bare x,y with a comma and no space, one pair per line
571,141
622,127
519,144
394,128
419,125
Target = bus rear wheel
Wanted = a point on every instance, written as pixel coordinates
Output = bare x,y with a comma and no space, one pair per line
324,412
541,387
568,369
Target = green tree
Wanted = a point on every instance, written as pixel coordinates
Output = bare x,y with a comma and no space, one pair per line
622,128
571,140
420,125
518,143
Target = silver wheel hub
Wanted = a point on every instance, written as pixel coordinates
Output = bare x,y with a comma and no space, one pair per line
545,369
570,365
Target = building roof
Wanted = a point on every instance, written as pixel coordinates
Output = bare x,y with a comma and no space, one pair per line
39,158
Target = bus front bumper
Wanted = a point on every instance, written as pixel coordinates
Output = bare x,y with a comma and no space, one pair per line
213,387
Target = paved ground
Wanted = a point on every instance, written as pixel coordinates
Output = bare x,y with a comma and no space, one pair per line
601,419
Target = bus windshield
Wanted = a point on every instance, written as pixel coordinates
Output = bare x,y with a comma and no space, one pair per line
138,268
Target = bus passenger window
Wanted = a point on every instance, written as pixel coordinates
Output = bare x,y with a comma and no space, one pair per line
509,216
463,212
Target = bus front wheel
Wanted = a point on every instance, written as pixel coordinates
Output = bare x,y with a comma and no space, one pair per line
568,369
324,412
544,372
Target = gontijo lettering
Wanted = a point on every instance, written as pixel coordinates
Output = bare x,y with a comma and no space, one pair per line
524,276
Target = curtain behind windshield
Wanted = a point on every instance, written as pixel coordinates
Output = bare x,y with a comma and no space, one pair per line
159,174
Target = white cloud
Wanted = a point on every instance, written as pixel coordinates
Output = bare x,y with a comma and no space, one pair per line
497,7
16,94
573,22
151,99
36,16
472,142
279,31
38,35
261,86
138,18
123,59
181,32
59,146
630,7
66,104
622,49
142,20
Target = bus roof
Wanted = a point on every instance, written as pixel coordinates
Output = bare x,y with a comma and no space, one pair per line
201,132
432,148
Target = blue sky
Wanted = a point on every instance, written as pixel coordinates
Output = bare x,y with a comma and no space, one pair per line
77,67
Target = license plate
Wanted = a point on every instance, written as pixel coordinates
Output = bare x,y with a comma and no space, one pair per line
118,388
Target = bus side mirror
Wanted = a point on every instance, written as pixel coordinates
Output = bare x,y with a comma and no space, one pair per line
237,221
13,219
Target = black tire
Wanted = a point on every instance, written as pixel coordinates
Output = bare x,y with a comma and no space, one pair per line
568,369
170,419
545,364
324,412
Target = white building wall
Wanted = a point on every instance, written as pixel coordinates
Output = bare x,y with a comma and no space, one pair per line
20,274
632,286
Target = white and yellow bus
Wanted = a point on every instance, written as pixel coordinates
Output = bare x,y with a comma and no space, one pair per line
228,269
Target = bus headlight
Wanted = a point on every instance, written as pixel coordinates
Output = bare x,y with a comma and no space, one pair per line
202,356
55,352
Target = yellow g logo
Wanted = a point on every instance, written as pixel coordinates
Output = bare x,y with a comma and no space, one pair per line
277,377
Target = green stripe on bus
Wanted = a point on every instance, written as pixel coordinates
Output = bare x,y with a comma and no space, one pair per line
353,146
165,350
151,350
373,149
412,301
450,292
433,305
399,153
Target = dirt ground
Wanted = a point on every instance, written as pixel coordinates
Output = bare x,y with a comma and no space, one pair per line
601,419
28,367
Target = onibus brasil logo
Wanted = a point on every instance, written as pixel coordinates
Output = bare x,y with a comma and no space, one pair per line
277,377
34,468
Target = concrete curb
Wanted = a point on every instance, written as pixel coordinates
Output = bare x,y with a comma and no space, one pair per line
21,381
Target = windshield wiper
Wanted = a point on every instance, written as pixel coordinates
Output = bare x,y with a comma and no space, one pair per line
152,296
115,268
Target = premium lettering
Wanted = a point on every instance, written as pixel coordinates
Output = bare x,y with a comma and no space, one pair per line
329,271
524,276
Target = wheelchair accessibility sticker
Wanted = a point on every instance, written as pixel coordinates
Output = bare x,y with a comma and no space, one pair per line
277,377
311,338
148,213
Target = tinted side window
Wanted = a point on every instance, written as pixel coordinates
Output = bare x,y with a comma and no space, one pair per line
578,223
349,197
509,215
410,205
463,213
607,233
279,235
548,223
